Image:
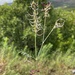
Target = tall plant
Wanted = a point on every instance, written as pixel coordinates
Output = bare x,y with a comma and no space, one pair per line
37,26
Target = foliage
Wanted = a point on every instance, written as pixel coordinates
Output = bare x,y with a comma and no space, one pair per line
14,25
53,50
59,63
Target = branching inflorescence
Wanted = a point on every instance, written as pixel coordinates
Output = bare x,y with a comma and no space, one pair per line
37,26
35,21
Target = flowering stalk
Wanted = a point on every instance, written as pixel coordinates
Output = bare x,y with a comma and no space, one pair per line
46,9
35,23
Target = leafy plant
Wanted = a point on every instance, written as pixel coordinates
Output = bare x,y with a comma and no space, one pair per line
35,22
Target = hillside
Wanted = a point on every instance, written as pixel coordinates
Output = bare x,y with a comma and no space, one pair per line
68,3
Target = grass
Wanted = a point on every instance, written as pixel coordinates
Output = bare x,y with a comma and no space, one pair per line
13,64
23,66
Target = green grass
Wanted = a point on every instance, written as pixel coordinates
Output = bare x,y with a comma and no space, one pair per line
13,64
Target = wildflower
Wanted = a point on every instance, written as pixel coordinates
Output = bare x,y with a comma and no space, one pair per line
47,7
35,22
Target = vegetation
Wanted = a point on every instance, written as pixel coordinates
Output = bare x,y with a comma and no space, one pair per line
36,39
63,3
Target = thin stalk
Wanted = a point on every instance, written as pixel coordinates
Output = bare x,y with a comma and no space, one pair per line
35,43
48,34
35,25
44,30
46,39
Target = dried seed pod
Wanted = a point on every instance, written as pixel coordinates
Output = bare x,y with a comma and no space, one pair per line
59,23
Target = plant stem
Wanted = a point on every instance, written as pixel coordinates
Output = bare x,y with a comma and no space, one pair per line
44,28
43,32
46,39
35,25
35,43
48,34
